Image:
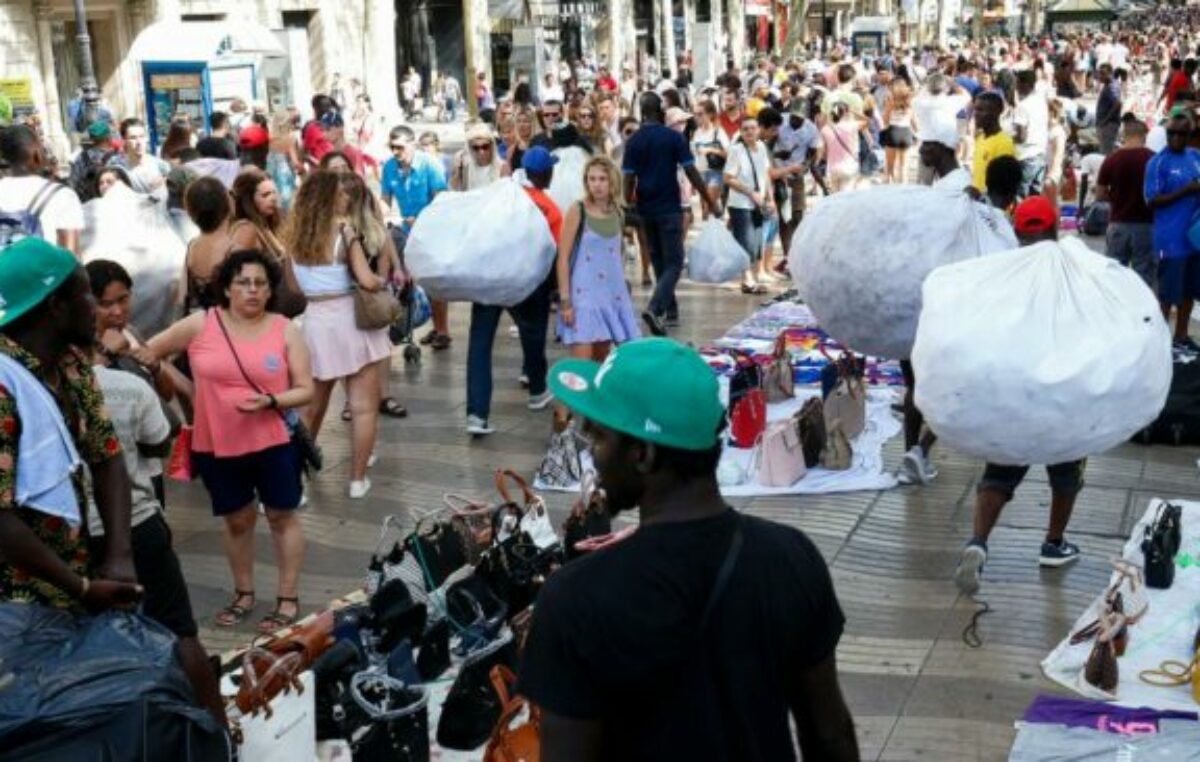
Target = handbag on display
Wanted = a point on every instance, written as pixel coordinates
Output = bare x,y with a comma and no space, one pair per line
433,651
837,455
810,422
560,466
395,616
1101,669
520,624
475,522
847,400
509,742
779,383
472,707
476,614
534,520
439,550
389,721
748,419
1160,543
779,457
286,728
588,518
747,376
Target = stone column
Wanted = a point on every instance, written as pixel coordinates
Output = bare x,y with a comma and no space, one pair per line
737,32
55,129
379,79
667,58
689,23
716,16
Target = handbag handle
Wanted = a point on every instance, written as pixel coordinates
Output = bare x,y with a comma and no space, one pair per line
503,475
252,694
511,704
388,683
390,522
461,505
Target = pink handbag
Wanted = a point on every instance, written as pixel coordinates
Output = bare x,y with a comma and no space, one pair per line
779,456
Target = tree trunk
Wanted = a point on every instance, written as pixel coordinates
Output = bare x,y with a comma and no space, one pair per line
797,31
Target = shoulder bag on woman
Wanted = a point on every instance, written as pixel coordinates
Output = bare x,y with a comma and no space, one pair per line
290,300
373,310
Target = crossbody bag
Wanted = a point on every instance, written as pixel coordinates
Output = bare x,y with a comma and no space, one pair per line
306,447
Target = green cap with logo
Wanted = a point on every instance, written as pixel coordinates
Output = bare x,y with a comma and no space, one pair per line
30,270
656,390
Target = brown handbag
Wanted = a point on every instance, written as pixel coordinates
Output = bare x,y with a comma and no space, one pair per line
522,743
290,300
1101,670
837,455
778,381
270,667
373,310
810,422
847,403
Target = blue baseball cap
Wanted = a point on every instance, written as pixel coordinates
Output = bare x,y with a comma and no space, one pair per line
538,160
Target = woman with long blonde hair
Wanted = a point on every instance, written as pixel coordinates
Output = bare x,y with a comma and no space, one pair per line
900,126
331,261
595,310
528,128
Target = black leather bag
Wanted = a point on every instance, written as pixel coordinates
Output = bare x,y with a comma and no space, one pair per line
433,652
388,721
1160,543
472,706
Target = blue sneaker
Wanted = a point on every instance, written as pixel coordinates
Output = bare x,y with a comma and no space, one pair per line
1056,554
970,566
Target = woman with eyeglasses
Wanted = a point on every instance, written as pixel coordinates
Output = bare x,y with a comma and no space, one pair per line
331,261
249,364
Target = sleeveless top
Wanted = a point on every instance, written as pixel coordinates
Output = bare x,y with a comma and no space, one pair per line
326,280
219,427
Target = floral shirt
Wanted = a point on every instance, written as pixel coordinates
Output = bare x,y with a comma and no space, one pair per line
82,405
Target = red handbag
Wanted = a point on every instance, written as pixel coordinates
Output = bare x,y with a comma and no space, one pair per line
749,419
179,465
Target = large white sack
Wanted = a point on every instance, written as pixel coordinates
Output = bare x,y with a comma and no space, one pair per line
716,256
566,186
490,246
1044,354
138,232
859,259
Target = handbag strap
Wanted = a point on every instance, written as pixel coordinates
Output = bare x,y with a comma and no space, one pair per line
238,360
724,574
503,475
753,169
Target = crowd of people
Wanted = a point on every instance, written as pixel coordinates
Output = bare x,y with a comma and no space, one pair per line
285,218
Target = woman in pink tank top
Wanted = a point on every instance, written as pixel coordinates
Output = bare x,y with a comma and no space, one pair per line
249,365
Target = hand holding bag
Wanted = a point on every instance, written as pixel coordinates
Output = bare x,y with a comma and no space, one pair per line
779,456
589,517
779,383
535,520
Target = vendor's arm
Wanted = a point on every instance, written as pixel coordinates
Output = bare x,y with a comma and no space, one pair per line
823,721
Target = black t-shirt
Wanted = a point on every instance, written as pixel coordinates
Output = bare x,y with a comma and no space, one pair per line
616,637
217,148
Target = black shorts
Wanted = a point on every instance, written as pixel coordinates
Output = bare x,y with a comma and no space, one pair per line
158,571
1066,479
270,476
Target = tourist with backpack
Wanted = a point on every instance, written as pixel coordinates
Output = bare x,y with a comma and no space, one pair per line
85,169
32,205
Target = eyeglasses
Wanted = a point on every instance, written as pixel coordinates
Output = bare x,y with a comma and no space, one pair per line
589,115
553,114
481,147
252,283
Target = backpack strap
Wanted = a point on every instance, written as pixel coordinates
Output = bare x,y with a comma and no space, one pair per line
38,204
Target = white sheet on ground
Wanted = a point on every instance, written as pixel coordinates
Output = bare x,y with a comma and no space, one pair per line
866,473
1165,632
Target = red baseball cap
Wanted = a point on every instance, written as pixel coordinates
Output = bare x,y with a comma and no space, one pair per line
253,136
1035,215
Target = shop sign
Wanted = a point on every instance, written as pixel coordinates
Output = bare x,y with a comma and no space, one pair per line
18,90
175,81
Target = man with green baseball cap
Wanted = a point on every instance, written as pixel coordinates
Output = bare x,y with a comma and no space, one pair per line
696,636
46,316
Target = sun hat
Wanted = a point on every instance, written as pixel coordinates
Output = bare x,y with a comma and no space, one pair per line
30,270
656,390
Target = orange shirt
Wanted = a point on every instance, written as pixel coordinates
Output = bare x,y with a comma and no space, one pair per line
550,209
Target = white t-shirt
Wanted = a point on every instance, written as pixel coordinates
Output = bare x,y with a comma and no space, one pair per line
138,418
738,166
1120,56
713,137
61,212
1033,113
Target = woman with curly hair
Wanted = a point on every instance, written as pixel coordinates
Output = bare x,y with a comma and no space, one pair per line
331,261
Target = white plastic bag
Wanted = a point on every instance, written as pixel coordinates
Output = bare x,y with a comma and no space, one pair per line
137,232
859,259
1041,355
489,246
566,186
716,256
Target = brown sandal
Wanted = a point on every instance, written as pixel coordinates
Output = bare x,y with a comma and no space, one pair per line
234,614
277,620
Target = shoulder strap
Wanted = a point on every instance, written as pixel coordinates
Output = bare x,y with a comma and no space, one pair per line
578,238
42,197
216,313
723,574
753,169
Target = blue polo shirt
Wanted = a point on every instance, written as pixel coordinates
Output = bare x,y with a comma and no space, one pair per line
413,190
1166,173
654,154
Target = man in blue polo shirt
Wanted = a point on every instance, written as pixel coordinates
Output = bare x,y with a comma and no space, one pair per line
1173,193
413,178
652,158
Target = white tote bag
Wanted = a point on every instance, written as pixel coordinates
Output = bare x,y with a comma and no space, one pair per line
290,734
716,256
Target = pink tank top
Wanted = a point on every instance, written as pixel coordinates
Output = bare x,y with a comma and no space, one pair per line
219,427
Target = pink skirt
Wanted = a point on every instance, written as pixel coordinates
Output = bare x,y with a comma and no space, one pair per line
337,347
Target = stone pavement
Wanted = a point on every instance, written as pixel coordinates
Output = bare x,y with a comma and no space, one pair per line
915,689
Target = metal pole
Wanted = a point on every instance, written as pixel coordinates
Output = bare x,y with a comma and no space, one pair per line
824,26
469,59
87,72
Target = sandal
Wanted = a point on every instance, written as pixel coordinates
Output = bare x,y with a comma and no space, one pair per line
277,620
346,412
390,407
439,342
428,338
233,614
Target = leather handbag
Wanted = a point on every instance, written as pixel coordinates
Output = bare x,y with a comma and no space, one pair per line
747,376
588,518
1101,669
847,403
778,381
534,518
179,465
748,419
272,665
1160,543
390,720
779,457
513,743
810,422
472,708
837,455
373,310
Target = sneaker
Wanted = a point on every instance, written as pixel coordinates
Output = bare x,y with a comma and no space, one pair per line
916,468
654,323
970,565
478,427
1056,554
540,401
359,489
372,460
523,380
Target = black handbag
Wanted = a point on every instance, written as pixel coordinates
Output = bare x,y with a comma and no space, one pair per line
388,721
433,652
476,613
306,447
472,707
440,551
1160,543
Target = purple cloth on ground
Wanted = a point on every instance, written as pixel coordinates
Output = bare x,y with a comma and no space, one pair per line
1098,715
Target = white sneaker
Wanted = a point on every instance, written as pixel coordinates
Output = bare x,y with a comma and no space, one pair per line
523,380
540,401
372,460
359,489
916,468
478,427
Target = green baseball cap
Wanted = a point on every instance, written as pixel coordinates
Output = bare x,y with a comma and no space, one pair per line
30,270
656,390
99,130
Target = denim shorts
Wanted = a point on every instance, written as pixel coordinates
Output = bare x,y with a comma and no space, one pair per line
747,233
1066,479
271,475
713,178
